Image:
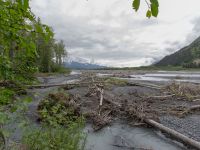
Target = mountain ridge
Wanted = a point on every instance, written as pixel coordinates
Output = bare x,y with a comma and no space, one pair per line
81,63
186,56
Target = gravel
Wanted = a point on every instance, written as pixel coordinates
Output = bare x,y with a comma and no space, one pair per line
188,126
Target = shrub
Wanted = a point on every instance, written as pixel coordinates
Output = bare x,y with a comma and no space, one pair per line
57,138
59,108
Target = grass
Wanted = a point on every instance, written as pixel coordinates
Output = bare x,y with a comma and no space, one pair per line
115,81
54,138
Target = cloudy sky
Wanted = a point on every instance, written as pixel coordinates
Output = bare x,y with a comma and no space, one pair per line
111,33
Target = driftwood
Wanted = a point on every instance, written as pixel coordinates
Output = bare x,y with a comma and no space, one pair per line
163,96
174,133
196,100
129,147
61,84
153,86
65,84
101,96
192,108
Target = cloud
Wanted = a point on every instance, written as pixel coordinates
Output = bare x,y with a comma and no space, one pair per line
109,31
195,33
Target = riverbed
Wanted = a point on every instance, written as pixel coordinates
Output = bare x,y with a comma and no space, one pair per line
120,135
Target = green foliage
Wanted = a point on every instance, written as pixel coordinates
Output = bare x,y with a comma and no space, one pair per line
59,109
136,4
5,68
14,113
57,138
62,125
50,54
153,7
60,69
148,14
18,32
6,96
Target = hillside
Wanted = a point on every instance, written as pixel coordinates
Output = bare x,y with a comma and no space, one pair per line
187,56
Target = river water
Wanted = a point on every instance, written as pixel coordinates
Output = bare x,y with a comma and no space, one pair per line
124,137
163,76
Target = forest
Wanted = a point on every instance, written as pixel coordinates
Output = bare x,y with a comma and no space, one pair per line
27,47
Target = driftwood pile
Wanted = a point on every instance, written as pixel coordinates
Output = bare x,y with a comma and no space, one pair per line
184,91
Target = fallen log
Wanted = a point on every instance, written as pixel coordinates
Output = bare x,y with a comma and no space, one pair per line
180,137
195,100
194,107
163,96
54,85
145,85
174,134
129,147
101,97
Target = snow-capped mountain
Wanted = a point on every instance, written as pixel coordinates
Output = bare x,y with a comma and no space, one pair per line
76,59
80,63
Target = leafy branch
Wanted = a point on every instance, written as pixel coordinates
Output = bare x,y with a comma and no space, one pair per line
152,5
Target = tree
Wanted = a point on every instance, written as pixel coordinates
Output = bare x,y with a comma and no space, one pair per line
18,30
60,52
153,7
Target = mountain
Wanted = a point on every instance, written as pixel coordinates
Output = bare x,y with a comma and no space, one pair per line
186,56
80,63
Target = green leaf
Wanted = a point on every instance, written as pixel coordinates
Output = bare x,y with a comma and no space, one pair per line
38,28
136,4
155,2
148,14
154,10
26,4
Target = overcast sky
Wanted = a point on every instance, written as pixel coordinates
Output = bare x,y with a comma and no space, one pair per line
111,33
